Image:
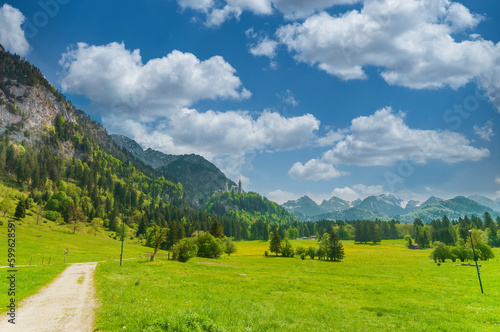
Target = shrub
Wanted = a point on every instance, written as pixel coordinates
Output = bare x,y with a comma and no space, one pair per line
302,256
287,249
208,245
266,253
184,250
484,251
441,252
229,246
52,215
311,252
300,250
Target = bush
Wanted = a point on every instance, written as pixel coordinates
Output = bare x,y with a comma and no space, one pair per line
52,215
441,252
266,253
287,249
302,256
300,250
184,250
484,251
311,252
208,245
229,246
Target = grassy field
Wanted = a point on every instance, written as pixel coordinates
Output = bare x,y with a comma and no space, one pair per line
381,287
29,280
45,243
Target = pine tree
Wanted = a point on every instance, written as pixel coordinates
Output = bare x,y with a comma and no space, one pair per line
216,229
463,229
335,249
20,209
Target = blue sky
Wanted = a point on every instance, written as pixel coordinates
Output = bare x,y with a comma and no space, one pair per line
322,97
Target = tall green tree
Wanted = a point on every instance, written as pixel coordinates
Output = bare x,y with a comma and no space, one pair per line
335,249
20,209
216,229
286,248
6,206
96,225
76,219
229,246
158,235
374,233
463,229
275,243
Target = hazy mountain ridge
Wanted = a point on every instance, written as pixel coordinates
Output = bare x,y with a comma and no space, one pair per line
199,177
390,206
488,202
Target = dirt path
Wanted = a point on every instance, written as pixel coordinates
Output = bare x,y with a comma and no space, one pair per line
67,304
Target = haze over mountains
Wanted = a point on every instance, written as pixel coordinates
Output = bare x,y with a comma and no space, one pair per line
390,206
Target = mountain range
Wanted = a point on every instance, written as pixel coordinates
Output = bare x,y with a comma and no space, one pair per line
199,177
47,145
390,206
34,115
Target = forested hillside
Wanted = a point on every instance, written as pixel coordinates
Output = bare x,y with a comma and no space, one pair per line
69,166
249,207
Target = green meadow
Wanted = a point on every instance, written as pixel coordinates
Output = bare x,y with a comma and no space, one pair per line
376,287
43,246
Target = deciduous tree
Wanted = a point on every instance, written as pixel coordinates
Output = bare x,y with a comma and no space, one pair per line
158,235
275,243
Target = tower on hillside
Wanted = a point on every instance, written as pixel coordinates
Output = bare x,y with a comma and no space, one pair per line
239,187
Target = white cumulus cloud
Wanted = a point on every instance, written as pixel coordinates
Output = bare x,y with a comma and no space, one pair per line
384,138
229,139
264,47
12,36
357,191
218,12
116,79
485,132
315,170
411,41
279,196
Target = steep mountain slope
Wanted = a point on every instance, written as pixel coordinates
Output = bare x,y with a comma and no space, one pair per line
74,171
199,177
149,157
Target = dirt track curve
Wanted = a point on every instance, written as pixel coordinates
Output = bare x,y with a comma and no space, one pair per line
66,304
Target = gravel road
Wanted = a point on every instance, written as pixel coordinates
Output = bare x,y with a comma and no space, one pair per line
67,304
